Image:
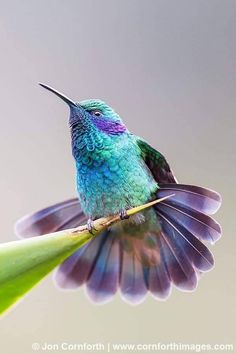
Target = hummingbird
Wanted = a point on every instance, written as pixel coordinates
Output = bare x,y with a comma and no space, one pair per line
150,252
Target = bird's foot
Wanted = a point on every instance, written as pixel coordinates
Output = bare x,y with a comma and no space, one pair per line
123,214
90,226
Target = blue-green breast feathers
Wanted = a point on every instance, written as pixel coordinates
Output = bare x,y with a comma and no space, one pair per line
114,177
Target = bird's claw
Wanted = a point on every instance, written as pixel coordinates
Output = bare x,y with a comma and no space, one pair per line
123,214
90,226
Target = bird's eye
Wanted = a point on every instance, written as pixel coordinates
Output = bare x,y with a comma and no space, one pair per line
97,113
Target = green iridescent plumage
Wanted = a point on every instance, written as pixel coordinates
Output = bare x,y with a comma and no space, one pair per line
117,170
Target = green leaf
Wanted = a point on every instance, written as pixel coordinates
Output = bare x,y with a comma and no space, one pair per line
24,263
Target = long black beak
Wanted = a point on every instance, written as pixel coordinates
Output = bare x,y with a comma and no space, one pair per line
57,93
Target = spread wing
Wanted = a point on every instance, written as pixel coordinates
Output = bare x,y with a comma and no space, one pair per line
156,163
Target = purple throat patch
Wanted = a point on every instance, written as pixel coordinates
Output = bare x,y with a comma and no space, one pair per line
109,126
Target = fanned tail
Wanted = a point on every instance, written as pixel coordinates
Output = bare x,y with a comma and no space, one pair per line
106,263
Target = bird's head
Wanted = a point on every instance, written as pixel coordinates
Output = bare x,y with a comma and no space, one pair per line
91,122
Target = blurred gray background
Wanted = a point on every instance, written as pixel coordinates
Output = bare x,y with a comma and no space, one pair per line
169,69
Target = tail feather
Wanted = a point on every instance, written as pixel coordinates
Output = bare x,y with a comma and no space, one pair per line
158,279
180,270
103,281
56,217
132,282
201,199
